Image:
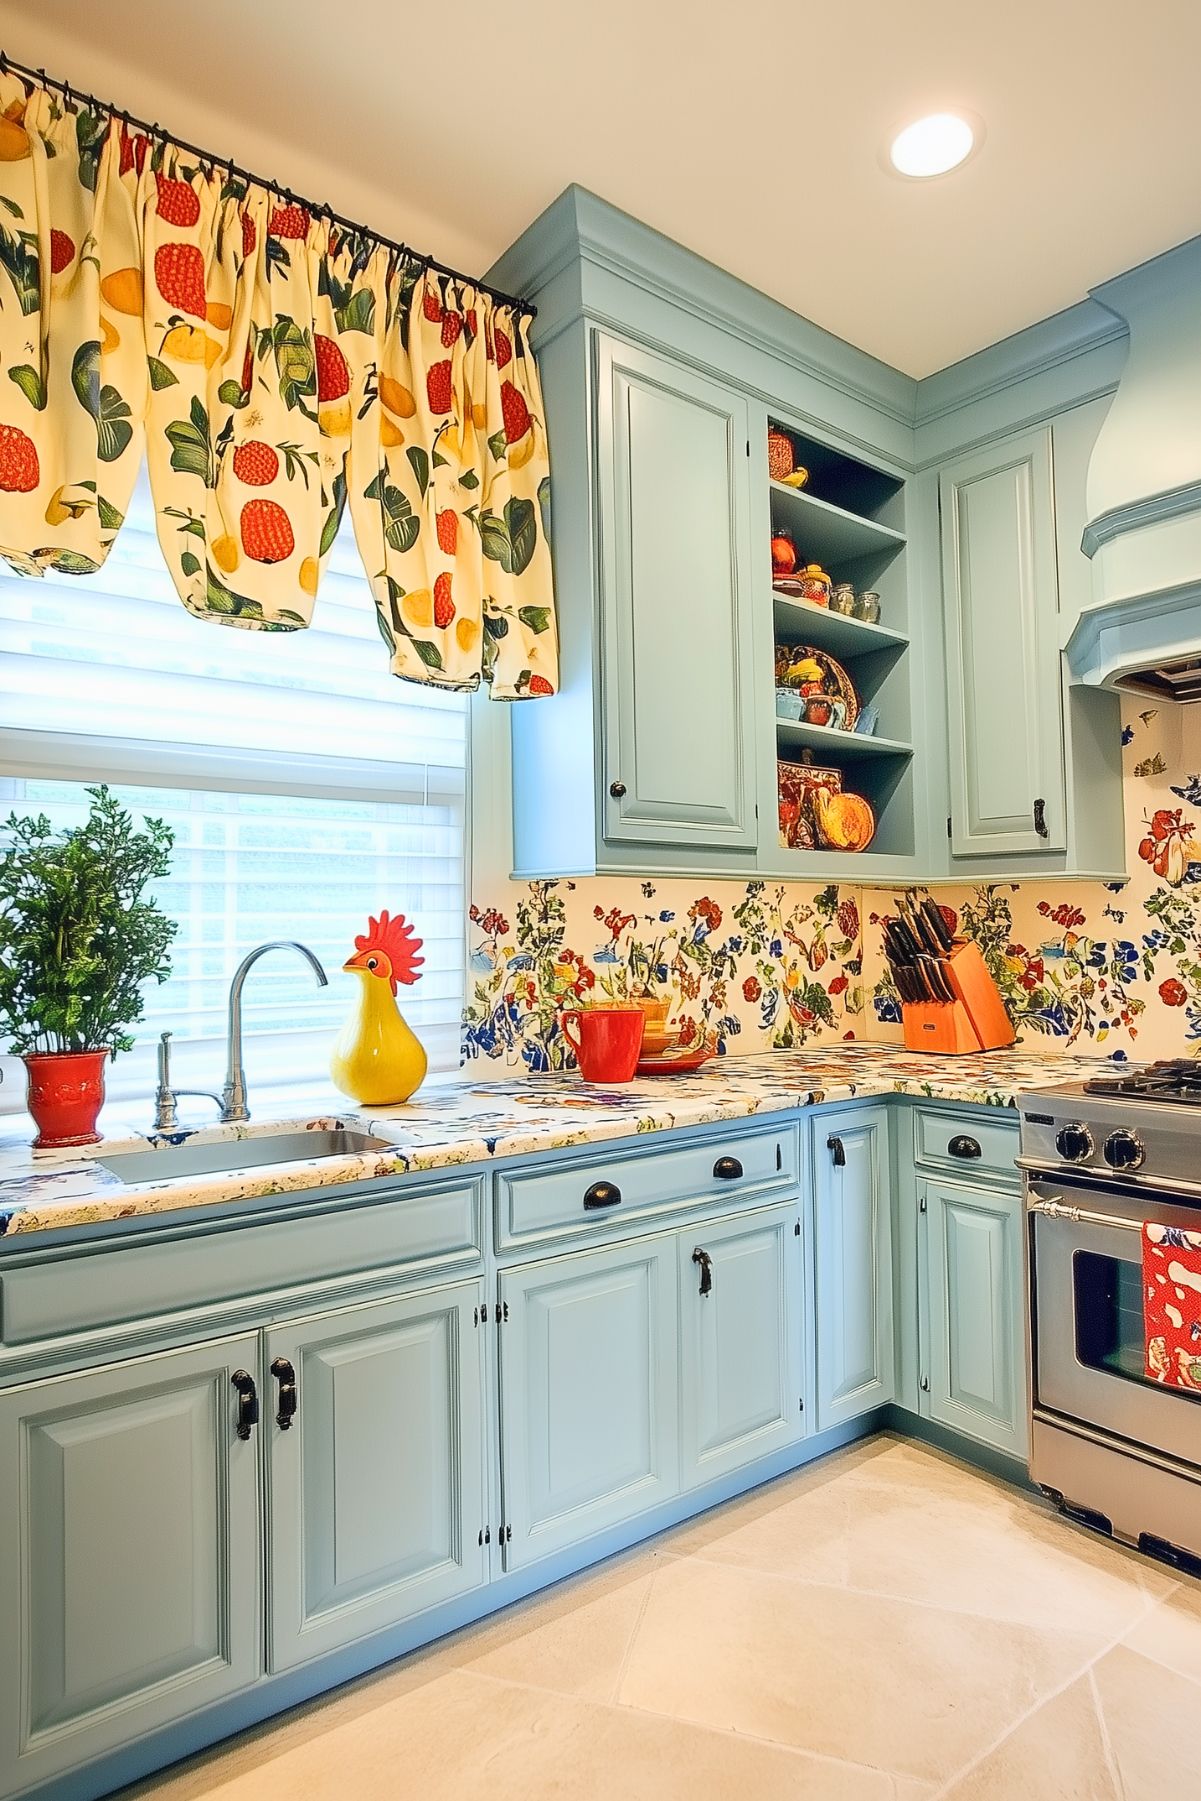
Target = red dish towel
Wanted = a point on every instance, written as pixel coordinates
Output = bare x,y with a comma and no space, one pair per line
1172,1305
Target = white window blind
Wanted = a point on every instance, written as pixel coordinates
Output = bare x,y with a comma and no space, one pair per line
306,787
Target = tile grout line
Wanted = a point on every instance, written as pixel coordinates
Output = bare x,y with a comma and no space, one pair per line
630,1642
880,1594
698,1726
1084,1670
1111,1761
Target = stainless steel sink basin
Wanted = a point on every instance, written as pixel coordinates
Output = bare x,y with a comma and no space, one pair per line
238,1153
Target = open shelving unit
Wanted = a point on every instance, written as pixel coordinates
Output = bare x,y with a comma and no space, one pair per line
850,518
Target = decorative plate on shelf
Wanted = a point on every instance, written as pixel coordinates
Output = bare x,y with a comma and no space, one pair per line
830,695
796,785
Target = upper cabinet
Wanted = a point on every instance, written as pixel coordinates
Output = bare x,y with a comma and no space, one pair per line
673,497
714,719
1034,761
1001,604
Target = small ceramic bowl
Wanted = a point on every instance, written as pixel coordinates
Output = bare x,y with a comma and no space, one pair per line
789,704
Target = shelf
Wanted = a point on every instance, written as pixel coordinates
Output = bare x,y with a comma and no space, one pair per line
833,746
828,534
835,632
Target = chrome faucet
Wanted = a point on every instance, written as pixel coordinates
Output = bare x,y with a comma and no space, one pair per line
233,1095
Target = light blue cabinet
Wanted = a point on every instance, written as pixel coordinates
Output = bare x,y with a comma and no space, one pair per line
675,560
976,1371
376,1479
130,1571
1001,600
589,1415
741,1287
852,1228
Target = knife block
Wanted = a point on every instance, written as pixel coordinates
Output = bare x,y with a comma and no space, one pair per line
975,1021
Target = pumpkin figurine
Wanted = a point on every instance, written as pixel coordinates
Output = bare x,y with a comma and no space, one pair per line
376,1058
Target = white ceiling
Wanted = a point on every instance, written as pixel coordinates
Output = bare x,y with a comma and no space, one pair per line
750,131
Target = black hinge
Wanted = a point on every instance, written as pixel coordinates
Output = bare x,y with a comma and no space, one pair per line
748,447
485,1535
796,1230
801,1405
948,825
481,1315
505,1536
921,1206
502,1312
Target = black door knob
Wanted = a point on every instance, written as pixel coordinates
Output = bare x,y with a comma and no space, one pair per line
602,1194
285,1375
248,1402
617,789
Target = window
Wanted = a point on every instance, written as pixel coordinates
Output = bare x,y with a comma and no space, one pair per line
306,786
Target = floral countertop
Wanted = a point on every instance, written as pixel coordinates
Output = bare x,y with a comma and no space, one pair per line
471,1122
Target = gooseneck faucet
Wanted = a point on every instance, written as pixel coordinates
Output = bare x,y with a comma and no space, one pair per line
233,1095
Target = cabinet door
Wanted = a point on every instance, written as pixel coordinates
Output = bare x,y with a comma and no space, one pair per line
1001,599
588,1394
377,1483
740,1341
977,1308
853,1258
129,1562
674,499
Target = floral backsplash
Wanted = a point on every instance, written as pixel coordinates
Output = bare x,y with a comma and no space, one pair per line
1082,966
750,965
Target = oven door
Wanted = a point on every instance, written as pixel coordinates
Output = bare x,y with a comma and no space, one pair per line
1087,1316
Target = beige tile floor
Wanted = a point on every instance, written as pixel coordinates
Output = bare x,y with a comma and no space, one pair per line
884,1624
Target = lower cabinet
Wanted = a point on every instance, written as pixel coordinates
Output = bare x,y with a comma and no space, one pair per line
852,1224
375,1428
632,1373
588,1393
976,1371
741,1289
130,1574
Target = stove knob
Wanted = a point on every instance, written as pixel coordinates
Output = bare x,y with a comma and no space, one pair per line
1074,1142
1124,1150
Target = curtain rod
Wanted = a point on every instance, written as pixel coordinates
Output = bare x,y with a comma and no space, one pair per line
70,92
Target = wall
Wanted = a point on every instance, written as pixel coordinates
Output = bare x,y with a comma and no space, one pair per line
1082,966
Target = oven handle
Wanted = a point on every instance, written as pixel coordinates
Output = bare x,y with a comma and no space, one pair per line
1104,1182
1081,1214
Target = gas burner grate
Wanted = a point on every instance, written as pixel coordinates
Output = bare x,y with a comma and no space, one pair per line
1174,1079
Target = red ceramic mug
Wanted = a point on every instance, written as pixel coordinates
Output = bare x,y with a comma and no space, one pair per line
609,1042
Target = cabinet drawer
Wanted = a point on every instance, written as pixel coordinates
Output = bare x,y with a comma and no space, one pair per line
67,1293
616,1187
967,1145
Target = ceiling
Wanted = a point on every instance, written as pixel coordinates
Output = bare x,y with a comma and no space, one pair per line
751,133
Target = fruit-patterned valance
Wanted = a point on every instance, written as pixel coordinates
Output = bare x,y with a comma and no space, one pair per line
276,365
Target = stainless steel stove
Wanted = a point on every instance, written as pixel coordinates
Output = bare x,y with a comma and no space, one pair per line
1098,1158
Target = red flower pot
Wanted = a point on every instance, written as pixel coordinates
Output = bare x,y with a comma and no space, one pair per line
65,1094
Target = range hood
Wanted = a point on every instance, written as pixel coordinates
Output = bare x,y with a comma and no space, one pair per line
1142,630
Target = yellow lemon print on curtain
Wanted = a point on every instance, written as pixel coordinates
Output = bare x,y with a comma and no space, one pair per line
377,1059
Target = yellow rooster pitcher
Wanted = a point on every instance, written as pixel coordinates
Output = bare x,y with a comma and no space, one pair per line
376,1058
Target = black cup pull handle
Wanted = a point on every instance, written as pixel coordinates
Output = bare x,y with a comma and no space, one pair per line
248,1402
285,1375
706,1264
727,1169
602,1194
837,1151
964,1145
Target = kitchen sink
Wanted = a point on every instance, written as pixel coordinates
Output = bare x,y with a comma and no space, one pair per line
176,1160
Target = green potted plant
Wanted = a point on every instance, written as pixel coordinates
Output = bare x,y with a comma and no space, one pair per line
77,942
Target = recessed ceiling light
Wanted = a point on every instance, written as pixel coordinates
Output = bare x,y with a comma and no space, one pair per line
932,145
